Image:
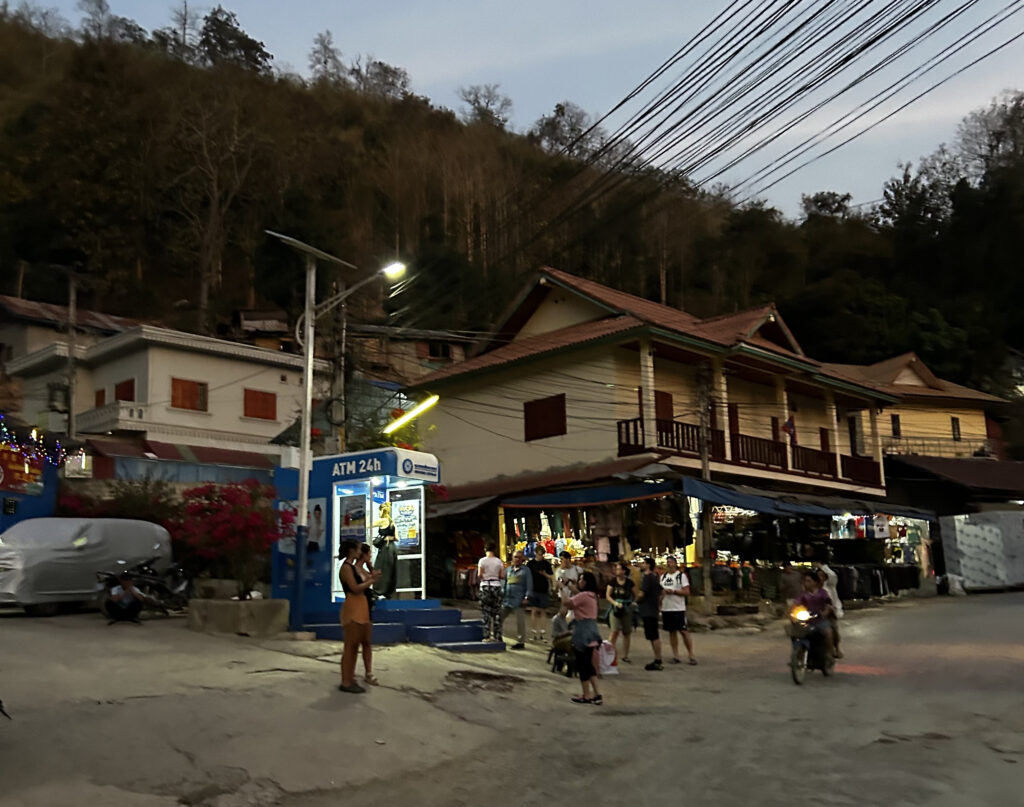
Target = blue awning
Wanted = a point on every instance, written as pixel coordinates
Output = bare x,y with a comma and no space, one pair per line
793,504
588,497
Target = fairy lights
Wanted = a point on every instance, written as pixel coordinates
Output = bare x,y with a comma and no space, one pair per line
32,449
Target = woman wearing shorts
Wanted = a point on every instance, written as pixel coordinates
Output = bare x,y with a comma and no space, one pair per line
586,637
620,597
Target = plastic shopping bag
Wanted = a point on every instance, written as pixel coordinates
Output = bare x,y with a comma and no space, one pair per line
607,659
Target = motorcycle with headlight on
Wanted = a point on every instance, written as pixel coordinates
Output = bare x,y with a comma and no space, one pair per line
810,650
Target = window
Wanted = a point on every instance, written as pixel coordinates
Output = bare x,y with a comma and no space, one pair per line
955,423
544,417
439,350
262,405
189,394
100,398
125,391
897,429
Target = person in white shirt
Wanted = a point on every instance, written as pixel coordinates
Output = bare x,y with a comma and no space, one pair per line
566,573
491,573
675,588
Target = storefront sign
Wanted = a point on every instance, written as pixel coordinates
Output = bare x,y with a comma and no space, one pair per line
386,462
19,474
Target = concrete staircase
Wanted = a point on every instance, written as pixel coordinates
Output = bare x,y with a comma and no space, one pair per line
419,621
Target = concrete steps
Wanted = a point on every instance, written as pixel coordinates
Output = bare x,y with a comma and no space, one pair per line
419,621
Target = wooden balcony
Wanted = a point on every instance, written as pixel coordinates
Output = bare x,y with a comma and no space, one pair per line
758,451
684,439
862,469
811,461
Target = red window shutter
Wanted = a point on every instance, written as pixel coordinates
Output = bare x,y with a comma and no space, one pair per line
422,350
259,404
189,394
125,391
544,417
100,398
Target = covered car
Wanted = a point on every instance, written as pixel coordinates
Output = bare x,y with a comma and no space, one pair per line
48,561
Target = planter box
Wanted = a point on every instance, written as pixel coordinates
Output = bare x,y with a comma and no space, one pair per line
260,618
214,588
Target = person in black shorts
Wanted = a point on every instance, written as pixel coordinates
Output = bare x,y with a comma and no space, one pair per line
543,573
675,587
650,604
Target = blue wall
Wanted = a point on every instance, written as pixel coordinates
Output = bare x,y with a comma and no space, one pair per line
33,506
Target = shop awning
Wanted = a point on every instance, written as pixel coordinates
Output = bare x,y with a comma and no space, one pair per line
441,509
589,497
789,504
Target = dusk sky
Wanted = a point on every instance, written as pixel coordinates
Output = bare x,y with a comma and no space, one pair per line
593,52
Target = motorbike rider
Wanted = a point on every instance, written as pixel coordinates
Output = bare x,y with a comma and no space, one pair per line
816,600
829,580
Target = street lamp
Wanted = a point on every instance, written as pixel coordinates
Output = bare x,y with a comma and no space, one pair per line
304,333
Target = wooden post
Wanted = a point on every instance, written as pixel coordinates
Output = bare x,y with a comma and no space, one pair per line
647,410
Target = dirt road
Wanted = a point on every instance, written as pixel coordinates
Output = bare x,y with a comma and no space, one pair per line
927,709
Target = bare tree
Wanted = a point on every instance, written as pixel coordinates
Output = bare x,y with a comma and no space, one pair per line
96,19
325,60
993,136
485,103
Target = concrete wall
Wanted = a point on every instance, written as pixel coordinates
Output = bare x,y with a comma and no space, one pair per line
226,379
35,396
131,366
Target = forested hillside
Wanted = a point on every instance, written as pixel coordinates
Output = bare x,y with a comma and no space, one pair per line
156,160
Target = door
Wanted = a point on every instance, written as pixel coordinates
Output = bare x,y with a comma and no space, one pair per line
734,419
825,442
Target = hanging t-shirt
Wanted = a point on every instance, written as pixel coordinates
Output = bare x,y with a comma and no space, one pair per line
672,581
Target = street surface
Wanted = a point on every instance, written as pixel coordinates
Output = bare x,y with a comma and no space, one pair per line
927,709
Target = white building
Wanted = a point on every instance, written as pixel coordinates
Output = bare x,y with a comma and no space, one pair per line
170,395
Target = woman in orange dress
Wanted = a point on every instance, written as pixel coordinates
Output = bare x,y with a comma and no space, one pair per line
355,614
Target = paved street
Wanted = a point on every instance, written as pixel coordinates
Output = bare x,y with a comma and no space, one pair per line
926,709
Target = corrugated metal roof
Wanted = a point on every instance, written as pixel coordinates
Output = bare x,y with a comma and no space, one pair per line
57,315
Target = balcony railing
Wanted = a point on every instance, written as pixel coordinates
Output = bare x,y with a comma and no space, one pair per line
684,438
863,470
112,417
811,461
758,451
940,446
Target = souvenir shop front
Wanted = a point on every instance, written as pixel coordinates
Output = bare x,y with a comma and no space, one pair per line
599,525
756,534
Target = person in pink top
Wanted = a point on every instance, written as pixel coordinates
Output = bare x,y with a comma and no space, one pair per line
586,637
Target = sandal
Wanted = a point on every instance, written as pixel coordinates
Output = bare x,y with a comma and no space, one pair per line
371,679
353,687
626,660
580,699
693,662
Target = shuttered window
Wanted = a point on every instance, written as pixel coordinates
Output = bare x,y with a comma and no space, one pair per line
897,428
189,394
955,423
544,417
125,390
100,398
259,404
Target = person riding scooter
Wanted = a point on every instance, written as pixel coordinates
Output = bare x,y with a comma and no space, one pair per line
816,600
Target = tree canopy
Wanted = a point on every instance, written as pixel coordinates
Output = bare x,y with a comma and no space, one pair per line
163,156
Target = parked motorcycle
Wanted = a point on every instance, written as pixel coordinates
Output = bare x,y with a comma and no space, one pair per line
164,592
809,647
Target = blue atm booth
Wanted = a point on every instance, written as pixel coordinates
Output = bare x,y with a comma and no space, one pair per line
346,492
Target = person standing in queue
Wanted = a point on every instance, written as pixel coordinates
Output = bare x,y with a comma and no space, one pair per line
675,586
586,636
518,590
491,573
621,599
650,605
542,575
355,616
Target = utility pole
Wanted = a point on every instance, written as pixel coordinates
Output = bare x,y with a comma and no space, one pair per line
72,323
338,414
707,524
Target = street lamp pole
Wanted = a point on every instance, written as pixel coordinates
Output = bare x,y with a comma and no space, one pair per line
305,331
305,455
